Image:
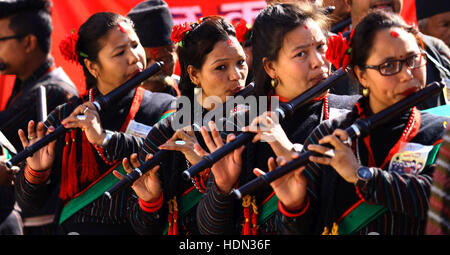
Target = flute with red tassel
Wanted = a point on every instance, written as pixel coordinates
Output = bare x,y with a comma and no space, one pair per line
100,103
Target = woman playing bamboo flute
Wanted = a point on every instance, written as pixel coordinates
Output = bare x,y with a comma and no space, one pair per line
288,46
109,51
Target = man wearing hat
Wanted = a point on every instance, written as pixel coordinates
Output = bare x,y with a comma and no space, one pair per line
434,18
153,24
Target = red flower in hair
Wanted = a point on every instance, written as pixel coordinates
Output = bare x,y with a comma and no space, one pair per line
242,30
179,32
338,52
67,47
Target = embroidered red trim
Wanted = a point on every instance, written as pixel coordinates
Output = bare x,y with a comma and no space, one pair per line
151,207
36,177
290,214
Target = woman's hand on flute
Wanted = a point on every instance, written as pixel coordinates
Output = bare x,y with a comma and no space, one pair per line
183,140
44,157
227,170
86,117
341,158
289,188
148,186
268,129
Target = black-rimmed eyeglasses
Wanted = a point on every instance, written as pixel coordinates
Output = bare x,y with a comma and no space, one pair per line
392,67
11,37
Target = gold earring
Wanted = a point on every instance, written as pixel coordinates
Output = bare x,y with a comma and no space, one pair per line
274,83
365,92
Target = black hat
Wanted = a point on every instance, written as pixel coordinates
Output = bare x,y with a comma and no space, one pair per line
12,7
426,9
153,23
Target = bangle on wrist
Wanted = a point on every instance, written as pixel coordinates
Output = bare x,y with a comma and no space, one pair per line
36,177
151,207
107,137
287,213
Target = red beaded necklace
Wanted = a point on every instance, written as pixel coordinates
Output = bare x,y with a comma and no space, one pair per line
410,131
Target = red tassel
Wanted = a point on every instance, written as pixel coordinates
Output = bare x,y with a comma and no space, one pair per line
246,228
69,180
254,224
246,203
170,218
170,232
66,150
254,217
89,166
175,223
64,177
175,216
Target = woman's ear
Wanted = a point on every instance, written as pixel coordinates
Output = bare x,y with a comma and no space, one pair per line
194,75
92,67
269,68
361,75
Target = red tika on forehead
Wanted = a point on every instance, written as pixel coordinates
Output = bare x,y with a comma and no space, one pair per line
123,27
154,51
394,34
229,42
306,27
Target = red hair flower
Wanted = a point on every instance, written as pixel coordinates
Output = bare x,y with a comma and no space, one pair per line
338,52
179,32
67,47
243,30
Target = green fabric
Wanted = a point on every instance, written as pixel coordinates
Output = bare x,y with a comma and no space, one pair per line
166,115
6,153
359,218
90,195
189,200
432,154
268,209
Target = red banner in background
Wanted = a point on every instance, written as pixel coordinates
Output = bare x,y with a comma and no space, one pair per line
231,9
69,15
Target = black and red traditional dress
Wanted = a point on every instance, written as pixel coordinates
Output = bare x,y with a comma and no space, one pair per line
395,200
81,172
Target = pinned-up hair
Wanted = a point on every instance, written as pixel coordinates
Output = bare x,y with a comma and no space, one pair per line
197,43
364,35
89,39
269,29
